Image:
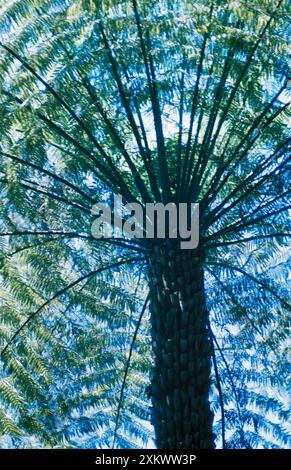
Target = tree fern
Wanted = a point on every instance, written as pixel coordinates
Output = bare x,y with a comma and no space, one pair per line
168,101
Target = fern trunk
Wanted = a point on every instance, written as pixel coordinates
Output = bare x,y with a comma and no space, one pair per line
180,383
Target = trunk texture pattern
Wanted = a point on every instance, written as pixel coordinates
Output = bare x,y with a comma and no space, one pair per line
180,383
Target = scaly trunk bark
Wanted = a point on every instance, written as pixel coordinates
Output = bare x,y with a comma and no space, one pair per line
180,383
